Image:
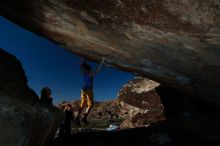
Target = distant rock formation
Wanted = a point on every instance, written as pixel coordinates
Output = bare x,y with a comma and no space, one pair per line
23,122
174,42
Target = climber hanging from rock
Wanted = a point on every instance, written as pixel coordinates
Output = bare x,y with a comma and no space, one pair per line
87,89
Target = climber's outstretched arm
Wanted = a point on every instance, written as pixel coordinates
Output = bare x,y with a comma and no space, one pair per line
99,67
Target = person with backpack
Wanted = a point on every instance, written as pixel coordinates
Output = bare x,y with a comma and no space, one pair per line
87,89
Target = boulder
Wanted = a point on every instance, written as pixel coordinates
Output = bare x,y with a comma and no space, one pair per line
142,103
174,42
23,122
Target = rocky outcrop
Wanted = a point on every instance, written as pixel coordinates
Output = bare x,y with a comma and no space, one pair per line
174,42
23,122
142,103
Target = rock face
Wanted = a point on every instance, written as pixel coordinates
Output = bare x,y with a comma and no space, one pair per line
174,42
140,99
23,122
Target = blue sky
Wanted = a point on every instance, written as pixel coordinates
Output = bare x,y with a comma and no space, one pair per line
47,64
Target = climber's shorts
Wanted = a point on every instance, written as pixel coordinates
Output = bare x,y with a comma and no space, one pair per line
87,96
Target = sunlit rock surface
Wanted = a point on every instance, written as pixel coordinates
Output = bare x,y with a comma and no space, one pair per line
175,42
23,122
142,103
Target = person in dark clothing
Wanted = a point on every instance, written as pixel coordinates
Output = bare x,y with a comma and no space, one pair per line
65,127
46,96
